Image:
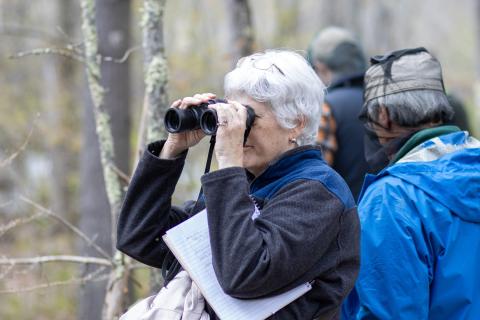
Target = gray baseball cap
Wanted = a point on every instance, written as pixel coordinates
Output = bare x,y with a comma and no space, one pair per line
403,70
338,49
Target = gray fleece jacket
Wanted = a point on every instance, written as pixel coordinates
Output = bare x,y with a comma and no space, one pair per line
296,222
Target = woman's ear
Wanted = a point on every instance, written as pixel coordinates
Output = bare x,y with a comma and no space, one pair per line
301,123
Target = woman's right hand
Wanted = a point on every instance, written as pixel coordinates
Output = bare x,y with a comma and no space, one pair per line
179,142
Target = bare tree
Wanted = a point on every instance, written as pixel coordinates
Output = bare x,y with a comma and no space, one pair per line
156,74
113,30
287,17
241,29
332,13
156,80
112,23
113,303
114,45
44,213
155,100
59,74
342,13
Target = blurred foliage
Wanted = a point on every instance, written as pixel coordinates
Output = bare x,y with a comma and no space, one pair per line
196,34
42,237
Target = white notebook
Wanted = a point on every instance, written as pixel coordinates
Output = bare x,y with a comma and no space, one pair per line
190,243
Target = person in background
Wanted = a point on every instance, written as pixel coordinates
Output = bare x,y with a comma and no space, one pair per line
278,215
420,216
339,61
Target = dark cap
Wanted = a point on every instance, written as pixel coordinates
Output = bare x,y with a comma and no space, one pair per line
403,70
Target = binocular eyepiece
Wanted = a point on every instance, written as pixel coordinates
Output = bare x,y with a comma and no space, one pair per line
200,117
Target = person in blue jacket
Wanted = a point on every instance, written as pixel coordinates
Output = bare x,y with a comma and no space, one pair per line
420,216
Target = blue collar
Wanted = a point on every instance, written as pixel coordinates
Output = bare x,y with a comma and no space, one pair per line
302,163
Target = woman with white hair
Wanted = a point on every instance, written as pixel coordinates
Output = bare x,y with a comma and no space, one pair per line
278,215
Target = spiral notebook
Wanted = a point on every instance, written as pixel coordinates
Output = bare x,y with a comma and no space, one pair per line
190,243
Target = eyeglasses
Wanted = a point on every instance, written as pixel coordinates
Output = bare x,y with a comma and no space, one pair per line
260,63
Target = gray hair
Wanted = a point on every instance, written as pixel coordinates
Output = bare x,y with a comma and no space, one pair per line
283,80
412,108
338,50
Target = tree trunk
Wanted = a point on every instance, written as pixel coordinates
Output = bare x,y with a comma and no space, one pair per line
156,98
331,13
384,28
342,13
95,213
113,25
58,97
55,118
286,15
111,124
156,75
241,30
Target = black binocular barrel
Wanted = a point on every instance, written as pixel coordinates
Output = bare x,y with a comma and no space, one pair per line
179,120
209,122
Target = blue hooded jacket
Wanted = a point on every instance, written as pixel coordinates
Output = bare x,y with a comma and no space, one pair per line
420,235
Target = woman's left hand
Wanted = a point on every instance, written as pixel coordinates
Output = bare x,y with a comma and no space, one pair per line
232,117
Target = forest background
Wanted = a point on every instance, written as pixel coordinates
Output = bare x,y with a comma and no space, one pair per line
53,199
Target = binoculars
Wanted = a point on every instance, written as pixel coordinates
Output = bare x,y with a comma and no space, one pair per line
199,117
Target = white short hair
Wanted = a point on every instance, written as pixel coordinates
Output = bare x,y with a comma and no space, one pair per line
285,81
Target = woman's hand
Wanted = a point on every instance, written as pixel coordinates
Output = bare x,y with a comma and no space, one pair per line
179,142
232,117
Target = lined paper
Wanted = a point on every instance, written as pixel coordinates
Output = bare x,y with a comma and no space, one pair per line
190,243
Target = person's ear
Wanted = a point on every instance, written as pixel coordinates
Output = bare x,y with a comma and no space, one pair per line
301,123
323,72
384,118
